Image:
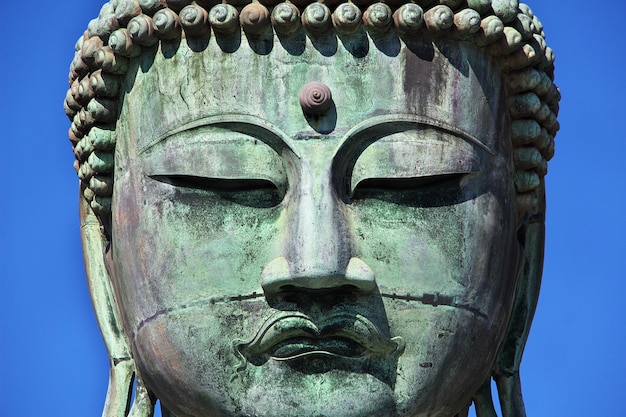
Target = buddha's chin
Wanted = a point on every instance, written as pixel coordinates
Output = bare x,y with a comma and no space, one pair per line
320,385
315,386
331,392
335,393
357,395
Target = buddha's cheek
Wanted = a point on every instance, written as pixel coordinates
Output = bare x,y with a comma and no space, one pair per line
449,352
447,278
188,356
187,247
462,251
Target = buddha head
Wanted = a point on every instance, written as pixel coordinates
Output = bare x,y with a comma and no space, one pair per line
313,208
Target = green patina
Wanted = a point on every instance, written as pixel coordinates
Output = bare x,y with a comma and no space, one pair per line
264,260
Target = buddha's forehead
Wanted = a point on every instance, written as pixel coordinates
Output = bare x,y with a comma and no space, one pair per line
443,80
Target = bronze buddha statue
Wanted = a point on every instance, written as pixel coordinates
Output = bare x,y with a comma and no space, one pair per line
313,208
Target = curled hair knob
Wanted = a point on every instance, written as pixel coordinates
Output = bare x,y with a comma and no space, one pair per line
101,185
141,31
195,20
511,41
254,18
506,10
122,43
347,18
285,18
104,85
126,10
90,46
316,18
409,18
377,17
85,91
106,59
524,25
224,18
491,29
85,172
106,25
166,24
71,103
78,67
439,18
466,23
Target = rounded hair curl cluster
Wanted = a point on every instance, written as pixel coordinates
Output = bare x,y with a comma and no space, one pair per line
508,30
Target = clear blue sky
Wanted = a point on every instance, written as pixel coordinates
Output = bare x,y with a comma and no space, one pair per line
52,361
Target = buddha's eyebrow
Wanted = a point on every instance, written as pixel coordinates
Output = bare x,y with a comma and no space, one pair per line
380,126
240,123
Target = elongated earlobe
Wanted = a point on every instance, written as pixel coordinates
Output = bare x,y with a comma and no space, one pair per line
143,405
507,368
483,401
122,365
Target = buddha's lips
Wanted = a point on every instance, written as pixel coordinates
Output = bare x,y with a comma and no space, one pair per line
294,335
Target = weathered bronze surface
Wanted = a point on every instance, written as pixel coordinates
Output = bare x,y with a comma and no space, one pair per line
313,209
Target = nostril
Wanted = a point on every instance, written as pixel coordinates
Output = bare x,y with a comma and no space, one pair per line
349,288
325,298
342,289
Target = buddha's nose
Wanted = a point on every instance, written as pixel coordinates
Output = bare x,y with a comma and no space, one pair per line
278,276
317,247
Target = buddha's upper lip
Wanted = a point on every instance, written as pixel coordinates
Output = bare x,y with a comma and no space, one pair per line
350,334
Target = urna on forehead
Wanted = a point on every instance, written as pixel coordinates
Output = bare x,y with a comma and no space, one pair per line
508,33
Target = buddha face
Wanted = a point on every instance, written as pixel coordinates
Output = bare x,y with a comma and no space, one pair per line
271,263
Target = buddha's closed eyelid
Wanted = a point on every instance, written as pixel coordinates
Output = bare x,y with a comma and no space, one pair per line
414,159
410,183
210,158
216,184
252,192
427,191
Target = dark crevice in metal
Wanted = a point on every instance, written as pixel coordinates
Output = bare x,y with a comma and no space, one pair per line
436,300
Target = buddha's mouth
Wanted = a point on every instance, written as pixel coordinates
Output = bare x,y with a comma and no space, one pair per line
292,336
299,347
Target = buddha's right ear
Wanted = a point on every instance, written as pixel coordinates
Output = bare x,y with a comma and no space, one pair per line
122,371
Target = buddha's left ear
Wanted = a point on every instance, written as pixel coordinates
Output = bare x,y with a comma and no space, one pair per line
506,372
122,371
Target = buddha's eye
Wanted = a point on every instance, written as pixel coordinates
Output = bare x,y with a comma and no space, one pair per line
420,166
258,193
427,191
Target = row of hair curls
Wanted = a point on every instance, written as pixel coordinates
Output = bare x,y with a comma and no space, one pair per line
508,30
